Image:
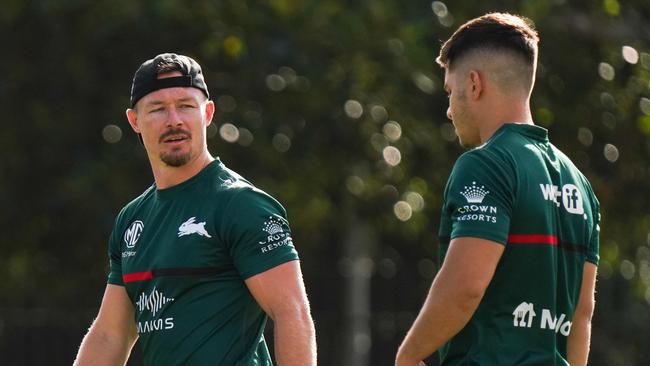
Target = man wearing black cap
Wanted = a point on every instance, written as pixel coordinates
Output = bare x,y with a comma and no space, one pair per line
202,257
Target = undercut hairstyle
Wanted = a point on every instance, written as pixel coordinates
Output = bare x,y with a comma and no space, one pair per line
492,32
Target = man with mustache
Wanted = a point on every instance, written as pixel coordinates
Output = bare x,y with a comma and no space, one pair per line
519,231
202,258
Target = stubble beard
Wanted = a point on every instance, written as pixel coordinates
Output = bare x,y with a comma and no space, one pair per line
175,159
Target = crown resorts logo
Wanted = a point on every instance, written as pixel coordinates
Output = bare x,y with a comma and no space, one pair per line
474,193
273,226
276,235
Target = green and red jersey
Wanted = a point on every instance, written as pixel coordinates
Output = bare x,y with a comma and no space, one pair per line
519,190
183,253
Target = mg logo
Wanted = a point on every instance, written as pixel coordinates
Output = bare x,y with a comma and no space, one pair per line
132,234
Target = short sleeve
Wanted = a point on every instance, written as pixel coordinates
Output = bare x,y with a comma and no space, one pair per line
257,232
479,198
593,249
115,259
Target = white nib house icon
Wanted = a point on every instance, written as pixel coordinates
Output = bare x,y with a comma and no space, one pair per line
474,194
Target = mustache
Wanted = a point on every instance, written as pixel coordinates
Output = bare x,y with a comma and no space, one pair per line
177,131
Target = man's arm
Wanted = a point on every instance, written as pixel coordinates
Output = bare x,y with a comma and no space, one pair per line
579,338
455,294
281,294
112,335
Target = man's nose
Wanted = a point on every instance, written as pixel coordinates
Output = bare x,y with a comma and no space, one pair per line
449,113
173,117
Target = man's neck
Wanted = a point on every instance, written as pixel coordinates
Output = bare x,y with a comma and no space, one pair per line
166,176
507,113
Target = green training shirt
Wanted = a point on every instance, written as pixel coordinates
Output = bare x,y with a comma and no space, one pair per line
183,253
521,191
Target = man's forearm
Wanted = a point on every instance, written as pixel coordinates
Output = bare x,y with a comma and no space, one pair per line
295,339
98,349
445,313
578,342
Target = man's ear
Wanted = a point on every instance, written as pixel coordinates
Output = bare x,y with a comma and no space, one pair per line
209,112
132,116
476,84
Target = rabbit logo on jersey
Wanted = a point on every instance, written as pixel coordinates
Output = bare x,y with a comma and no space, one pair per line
474,210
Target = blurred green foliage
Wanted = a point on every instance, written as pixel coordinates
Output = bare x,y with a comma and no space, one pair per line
336,108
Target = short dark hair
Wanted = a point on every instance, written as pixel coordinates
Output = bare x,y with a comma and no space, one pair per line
493,31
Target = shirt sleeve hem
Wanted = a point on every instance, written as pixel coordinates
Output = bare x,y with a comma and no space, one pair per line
266,266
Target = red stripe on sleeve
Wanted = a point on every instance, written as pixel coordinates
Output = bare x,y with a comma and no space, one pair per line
532,239
137,276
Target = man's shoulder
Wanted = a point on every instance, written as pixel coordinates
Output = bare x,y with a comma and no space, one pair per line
239,191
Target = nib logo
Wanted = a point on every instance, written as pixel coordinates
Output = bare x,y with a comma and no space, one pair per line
523,315
474,194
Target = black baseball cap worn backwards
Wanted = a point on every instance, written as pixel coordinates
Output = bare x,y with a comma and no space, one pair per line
146,78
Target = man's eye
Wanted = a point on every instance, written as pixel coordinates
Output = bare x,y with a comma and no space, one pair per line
187,106
156,110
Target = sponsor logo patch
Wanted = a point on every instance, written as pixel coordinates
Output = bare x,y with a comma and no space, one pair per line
190,227
474,210
153,303
524,317
276,236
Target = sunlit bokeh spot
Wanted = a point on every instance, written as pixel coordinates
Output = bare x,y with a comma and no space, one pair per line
392,130
233,46
606,71
355,185
607,100
448,131
645,60
229,132
605,269
423,82
378,141
288,74
644,105
302,84
226,103
415,200
612,7
112,134
611,153
353,109
627,269
387,268
396,46
392,155
402,210
439,8
447,20
630,55
212,130
585,136
245,137
275,82
378,113
426,268
281,142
